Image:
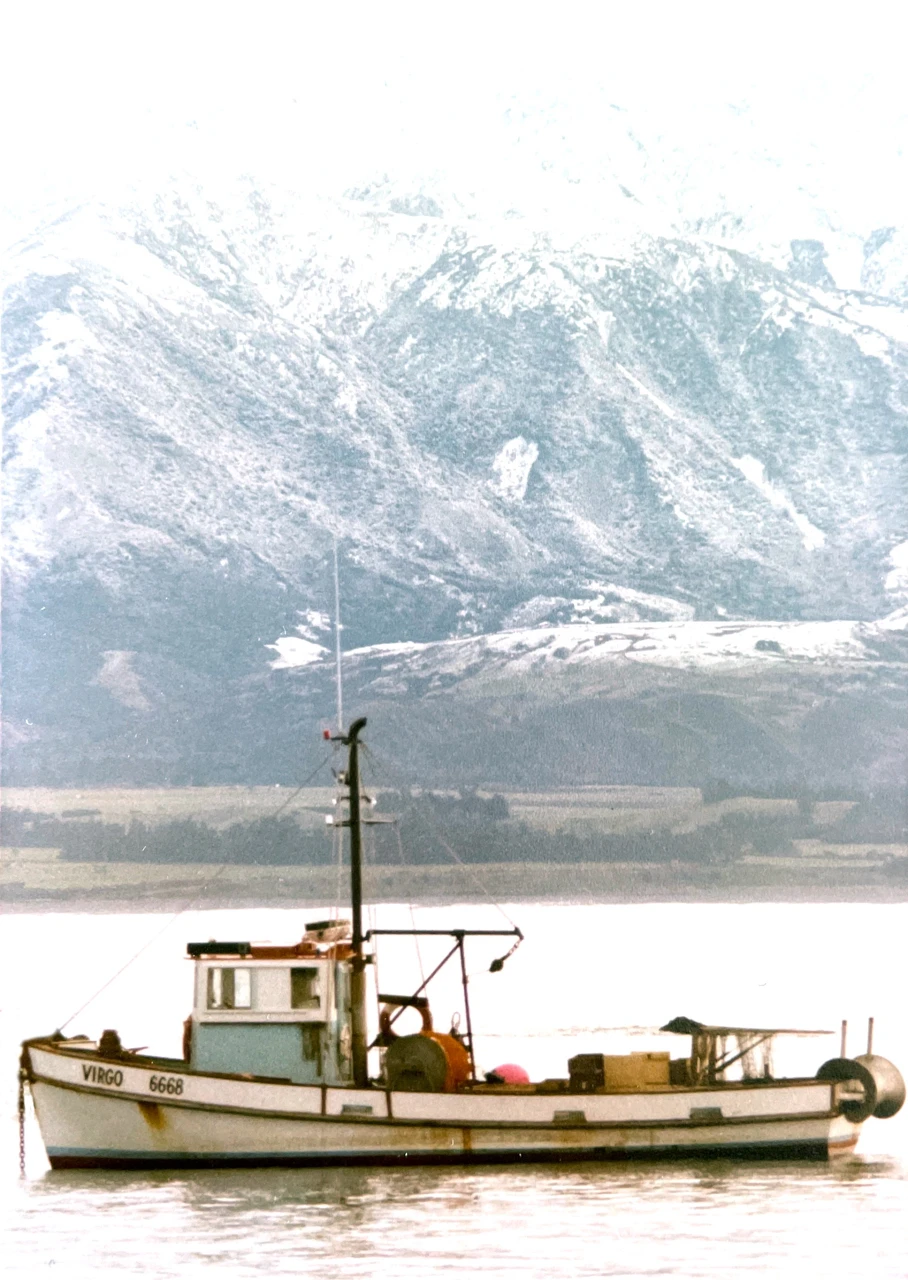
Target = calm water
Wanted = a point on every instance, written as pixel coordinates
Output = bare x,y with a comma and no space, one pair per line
587,978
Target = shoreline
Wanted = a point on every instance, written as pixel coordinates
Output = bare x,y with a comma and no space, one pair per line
92,889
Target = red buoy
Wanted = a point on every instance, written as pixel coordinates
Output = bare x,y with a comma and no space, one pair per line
510,1073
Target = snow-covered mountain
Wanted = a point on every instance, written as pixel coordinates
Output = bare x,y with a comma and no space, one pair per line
506,421
797,704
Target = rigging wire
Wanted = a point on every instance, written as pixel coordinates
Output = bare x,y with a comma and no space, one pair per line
338,868
403,863
338,627
384,761
369,861
337,836
337,829
187,906
370,765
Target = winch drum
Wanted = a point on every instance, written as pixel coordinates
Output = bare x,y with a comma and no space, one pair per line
416,1064
881,1083
890,1087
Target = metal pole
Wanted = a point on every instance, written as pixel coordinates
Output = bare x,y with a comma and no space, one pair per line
869,1036
466,1004
422,986
358,974
843,1053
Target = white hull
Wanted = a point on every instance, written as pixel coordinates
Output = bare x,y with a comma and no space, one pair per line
138,1114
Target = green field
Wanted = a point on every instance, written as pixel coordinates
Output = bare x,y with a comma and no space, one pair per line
216,806
603,810
34,879
815,868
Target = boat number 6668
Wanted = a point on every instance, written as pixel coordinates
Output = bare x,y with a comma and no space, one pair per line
165,1084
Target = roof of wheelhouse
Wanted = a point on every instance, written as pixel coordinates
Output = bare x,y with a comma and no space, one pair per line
323,939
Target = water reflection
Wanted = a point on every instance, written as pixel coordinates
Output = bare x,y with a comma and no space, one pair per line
569,1220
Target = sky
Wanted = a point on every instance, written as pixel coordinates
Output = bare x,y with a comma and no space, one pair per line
97,97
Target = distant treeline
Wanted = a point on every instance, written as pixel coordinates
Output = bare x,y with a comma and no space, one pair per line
430,825
881,816
265,841
713,790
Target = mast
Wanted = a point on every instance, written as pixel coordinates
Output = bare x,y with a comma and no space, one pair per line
358,975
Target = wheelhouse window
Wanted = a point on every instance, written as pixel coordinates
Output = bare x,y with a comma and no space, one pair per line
229,989
304,989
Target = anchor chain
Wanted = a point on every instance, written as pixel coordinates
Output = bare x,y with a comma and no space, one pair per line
23,1076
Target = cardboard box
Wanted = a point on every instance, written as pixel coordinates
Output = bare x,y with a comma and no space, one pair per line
636,1070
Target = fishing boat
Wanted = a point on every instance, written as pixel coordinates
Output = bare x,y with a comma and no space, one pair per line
278,1069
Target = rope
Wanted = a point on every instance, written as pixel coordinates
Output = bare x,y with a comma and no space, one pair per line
187,906
21,1107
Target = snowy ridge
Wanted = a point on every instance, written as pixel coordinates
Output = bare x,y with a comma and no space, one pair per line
679,644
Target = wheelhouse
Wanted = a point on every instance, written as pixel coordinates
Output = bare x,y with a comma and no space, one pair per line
278,1012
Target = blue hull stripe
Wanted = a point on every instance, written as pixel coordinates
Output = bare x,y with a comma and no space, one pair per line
87,1157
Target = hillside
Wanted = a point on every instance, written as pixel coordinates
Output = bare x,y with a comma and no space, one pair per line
504,428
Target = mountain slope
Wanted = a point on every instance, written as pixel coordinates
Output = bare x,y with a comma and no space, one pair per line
499,429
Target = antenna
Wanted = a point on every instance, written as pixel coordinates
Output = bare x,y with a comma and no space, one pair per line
337,644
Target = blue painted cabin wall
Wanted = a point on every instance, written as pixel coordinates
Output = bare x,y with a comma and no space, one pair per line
263,1049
